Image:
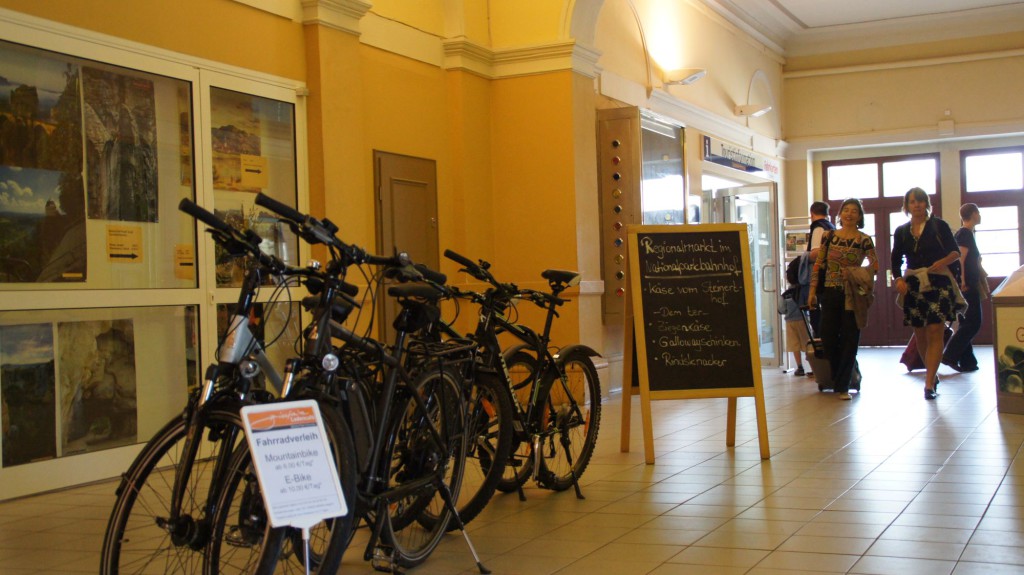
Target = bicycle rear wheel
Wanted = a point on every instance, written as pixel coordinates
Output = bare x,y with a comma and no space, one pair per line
522,370
142,536
242,541
419,467
572,412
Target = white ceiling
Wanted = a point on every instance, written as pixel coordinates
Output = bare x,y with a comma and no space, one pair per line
803,27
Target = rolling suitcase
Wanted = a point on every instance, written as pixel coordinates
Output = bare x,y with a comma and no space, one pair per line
820,365
912,359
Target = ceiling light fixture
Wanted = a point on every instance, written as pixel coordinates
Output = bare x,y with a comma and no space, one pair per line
684,76
752,110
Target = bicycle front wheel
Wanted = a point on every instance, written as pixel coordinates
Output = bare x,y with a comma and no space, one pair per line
572,417
422,465
144,535
242,541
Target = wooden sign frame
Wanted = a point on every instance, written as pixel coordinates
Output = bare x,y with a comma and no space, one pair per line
635,348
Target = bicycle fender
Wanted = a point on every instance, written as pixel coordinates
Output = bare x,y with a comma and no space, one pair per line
509,352
577,347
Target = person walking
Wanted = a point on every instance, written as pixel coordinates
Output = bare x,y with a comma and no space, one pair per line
929,293
820,225
959,352
840,275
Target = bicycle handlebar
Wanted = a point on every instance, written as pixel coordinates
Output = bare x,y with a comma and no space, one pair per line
224,233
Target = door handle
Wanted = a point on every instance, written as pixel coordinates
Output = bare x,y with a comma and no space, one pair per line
888,278
765,284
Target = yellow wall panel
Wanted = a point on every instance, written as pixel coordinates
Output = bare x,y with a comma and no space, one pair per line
219,30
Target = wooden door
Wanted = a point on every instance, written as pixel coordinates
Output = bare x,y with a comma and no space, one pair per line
406,217
885,320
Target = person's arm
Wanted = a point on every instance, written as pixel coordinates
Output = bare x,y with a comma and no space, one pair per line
963,268
815,244
819,261
949,245
896,260
872,256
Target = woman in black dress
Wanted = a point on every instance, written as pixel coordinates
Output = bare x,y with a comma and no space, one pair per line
929,291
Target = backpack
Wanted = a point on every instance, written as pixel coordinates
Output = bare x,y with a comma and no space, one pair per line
804,267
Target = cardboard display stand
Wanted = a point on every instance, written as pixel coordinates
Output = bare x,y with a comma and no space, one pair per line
690,323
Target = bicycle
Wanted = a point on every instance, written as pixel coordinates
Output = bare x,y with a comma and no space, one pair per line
557,396
408,428
163,506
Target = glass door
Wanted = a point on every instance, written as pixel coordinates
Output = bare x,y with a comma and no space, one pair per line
754,205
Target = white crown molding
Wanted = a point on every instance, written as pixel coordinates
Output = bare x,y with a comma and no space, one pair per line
343,15
919,63
905,31
464,54
290,9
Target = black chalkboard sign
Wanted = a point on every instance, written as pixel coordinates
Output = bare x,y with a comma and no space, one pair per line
693,308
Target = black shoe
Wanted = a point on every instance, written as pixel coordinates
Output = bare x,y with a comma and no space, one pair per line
951,364
929,393
971,368
800,370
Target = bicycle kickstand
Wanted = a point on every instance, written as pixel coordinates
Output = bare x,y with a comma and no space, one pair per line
572,473
446,494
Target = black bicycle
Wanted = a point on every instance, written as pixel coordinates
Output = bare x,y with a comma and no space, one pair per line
557,394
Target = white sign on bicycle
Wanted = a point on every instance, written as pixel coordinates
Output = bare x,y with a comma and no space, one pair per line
293,462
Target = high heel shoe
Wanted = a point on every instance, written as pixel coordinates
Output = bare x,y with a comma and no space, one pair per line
929,393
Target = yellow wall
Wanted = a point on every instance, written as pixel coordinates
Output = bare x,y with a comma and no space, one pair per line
219,30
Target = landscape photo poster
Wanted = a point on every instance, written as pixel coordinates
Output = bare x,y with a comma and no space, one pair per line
42,198
39,241
121,155
27,393
236,134
97,385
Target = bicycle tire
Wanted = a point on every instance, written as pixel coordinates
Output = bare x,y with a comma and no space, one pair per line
242,541
487,449
411,458
134,541
522,369
573,419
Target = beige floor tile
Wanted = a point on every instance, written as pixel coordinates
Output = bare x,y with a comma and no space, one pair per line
969,568
1010,554
916,549
933,534
827,544
685,569
878,565
797,561
588,566
697,555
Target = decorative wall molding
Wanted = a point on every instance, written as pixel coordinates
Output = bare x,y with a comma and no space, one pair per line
343,15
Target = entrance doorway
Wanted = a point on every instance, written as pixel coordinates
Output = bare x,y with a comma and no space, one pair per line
406,217
755,206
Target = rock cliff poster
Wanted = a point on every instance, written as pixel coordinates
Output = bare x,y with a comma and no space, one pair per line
236,134
120,128
97,385
27,393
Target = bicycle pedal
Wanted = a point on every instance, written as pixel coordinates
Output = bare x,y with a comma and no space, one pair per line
383,560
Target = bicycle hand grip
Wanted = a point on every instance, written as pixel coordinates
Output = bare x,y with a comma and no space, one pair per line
278,208
431,275
189,207
348,289
459,259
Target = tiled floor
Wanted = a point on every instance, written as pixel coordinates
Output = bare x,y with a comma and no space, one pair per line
887,483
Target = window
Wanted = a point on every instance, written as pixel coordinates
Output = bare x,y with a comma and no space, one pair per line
106,317
871,178
994,180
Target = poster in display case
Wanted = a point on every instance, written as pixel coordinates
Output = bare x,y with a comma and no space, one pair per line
42,201
236,137
120,128
97,385
27,393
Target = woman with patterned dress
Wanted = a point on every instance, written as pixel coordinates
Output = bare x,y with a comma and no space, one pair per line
843,250
927,288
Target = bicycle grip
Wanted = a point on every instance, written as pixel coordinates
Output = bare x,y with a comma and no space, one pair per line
436,277
459,259
278,208
348,289
189,207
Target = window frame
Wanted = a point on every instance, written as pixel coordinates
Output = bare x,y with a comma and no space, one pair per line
995,198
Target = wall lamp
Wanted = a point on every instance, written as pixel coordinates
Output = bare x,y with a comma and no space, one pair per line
752,110
684,76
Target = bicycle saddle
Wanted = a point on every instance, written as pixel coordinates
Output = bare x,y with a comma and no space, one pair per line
566,277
